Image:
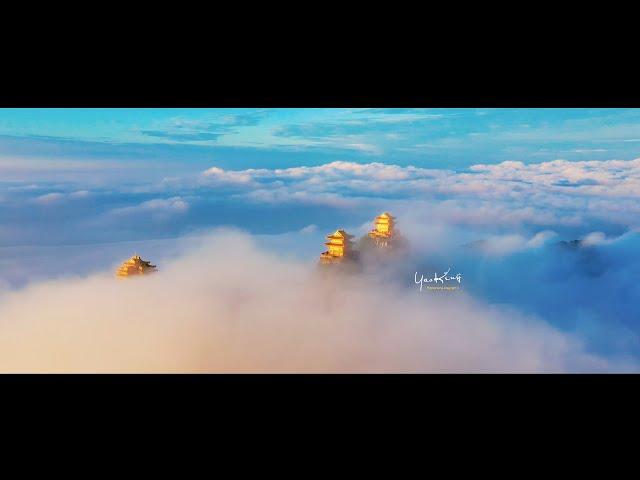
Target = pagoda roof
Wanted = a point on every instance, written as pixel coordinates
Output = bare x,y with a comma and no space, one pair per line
137,260
339,234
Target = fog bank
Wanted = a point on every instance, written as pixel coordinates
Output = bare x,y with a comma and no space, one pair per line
225,305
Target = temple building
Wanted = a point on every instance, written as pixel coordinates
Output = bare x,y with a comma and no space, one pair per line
340,248
383,233
135,266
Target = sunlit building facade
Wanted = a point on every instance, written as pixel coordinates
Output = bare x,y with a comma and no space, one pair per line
339,248
384,229
135,266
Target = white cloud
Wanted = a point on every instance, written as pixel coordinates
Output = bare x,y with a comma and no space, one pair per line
365,148
500,245
541,238
287,196
510,192
57,197
80,194
229,176
49,198
595,238
612,178
174,205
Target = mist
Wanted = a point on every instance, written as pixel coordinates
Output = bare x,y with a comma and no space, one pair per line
226,304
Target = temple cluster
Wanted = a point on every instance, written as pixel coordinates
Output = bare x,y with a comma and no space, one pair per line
341,249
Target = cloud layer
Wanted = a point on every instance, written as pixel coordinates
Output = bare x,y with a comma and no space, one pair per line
570,198
500,225
557,192
227,306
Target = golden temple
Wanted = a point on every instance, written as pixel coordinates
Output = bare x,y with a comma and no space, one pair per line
384,229
340,248
135,266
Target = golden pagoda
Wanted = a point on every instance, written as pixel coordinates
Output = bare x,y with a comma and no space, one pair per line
340,248
384,231
135,266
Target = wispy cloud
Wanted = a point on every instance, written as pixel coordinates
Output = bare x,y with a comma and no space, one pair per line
183,137
49,198
157,205
180,129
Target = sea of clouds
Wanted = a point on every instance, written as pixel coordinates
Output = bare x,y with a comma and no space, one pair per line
250,299
226,305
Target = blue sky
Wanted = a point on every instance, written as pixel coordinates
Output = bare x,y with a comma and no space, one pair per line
491,192
250,138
